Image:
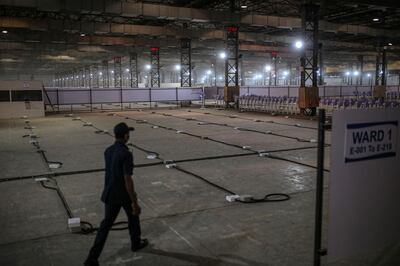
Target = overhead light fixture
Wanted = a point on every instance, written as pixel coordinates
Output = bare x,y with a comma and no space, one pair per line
390,44
268,68
347,73
177,67
243,6
127,70
285,73
298,44
375,19
356,73
4,31
368,75
222,55
148,66
100,73
208,72
83,34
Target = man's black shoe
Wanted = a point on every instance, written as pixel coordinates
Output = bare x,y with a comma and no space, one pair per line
90,262
143,243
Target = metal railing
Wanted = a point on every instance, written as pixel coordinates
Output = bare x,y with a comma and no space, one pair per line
94,96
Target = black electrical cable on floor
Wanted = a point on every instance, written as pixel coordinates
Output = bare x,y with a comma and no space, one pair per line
77,172
60,194
233,127
268,198
183,132
255,120
216,141
98,131
273,197
86,227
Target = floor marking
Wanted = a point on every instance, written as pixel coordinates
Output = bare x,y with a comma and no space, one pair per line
233,235
179,235
254,240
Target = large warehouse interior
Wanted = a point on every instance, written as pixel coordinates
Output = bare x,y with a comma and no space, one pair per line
255,132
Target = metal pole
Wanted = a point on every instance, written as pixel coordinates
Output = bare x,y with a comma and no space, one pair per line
121,98
176,96
150,96
203,102
384,64
319,189
275,71
91,100
58,101
361,59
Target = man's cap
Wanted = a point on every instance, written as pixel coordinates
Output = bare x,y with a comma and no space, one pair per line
122,129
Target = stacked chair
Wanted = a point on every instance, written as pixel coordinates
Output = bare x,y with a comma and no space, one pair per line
278,105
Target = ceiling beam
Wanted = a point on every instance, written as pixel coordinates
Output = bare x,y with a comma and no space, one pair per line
140,35
184,14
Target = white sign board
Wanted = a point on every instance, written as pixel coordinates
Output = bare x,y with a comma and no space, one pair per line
368,141
364,189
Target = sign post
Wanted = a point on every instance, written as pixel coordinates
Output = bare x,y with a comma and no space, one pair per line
320,189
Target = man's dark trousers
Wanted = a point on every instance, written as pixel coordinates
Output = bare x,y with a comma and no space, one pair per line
111,213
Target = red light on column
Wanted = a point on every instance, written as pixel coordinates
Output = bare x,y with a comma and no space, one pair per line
274,53
154,49
232,29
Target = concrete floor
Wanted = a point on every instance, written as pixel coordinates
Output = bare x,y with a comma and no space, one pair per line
187,221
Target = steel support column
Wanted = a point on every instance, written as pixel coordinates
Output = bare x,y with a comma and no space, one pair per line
72,77
378,68
321,72
232,64
77,78
274,58
87,77
381,64
384,66
155,67
361,60
309,58
105,74
95,76
117,72
133,70
242,71
232,59
308,94
81,77
186,63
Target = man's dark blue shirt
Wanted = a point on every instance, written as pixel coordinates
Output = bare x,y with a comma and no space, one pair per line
119,163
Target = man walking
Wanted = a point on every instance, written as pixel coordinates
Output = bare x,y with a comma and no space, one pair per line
118,192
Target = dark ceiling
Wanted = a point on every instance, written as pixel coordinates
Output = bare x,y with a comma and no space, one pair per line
36,50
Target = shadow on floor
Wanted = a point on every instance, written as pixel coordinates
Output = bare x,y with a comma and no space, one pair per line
222,259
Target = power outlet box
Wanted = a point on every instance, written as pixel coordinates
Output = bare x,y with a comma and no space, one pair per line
74,225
